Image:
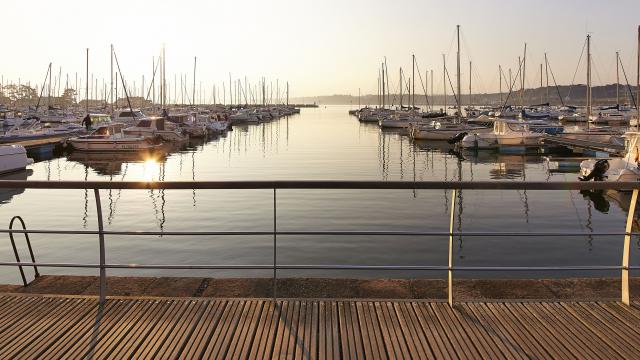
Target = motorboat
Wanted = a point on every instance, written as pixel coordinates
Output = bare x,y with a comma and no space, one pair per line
601,134
615,169
13,158
505,133
157,126
110,138
188,123
32,129
437,130
399,120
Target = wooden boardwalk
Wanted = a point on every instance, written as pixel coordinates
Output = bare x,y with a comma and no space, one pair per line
73,327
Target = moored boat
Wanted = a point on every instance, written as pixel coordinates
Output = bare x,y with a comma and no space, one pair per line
110,138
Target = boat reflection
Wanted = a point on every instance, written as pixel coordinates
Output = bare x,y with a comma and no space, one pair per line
505,166
7,194
111,163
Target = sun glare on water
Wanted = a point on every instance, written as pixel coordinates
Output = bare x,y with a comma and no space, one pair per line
150,170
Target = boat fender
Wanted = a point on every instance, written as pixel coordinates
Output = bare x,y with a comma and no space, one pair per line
456,139
599,169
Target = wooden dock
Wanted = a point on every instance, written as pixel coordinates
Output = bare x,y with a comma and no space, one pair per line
74,327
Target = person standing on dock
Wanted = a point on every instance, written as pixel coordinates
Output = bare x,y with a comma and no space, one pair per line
87,122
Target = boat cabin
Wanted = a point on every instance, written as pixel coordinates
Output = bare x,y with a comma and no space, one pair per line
154,123
107,130
506,126
128,115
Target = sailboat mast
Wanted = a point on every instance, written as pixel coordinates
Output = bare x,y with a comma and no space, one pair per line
617,79
413,83
638,84
193,92
459,88
401,83
546,70
287,93
86,92
431,102
383,87
522,77
500,81
470,102
379,101
49,90
111,86
541,84
358,98
444,81
588,78
164,78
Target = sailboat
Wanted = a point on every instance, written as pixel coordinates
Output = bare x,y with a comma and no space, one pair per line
442,130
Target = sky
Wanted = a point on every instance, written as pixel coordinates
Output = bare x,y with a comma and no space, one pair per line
319,47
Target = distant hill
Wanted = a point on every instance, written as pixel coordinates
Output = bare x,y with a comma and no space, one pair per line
571,95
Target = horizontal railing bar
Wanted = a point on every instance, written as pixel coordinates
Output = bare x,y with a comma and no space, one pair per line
320,267
322,184
308,233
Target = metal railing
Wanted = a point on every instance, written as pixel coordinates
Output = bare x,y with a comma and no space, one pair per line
274,186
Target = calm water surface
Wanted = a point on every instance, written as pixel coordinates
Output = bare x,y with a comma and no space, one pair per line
327,144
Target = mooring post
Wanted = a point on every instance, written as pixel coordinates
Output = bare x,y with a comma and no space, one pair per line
627,247
103,270
453,209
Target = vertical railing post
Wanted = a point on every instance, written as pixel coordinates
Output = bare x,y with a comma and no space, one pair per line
450,282
627,247
103,270
275,252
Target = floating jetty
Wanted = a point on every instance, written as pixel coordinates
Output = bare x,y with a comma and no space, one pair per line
587,147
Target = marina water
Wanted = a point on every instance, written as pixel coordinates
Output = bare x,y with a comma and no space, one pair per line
318,144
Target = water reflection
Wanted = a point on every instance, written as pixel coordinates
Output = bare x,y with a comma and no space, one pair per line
6,195
110,164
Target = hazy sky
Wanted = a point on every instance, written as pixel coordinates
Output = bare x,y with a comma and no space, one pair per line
321,47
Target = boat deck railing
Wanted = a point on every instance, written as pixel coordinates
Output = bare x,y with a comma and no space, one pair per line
275,186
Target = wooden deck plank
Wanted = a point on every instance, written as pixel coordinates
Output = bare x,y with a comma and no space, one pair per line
204,329
431,327
60,327
94,329
27,326
244,349
52,323
161,331
538,330
573,335
594,326
59,345
284,330
172,346
220,348
447,318
509,329
265,335
478,336
605,330
502,340
135,339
